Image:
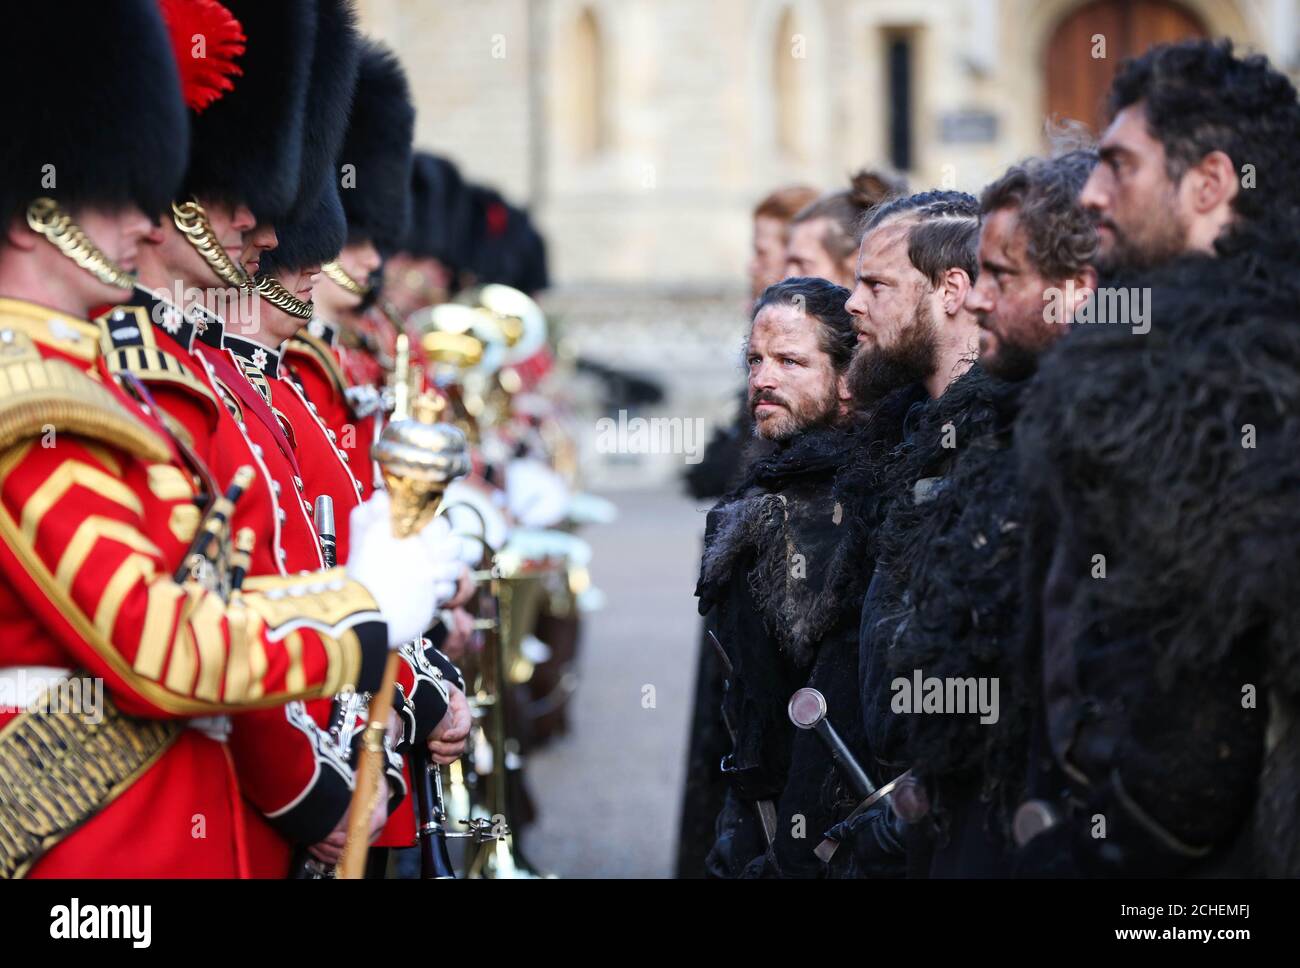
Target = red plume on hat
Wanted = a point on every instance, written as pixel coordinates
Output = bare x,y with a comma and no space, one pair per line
204,79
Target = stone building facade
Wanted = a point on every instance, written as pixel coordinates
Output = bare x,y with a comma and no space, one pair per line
641,132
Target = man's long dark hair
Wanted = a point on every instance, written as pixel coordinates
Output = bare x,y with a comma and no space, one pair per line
823,301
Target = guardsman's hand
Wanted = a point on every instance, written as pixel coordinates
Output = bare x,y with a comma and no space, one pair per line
447,741
330,850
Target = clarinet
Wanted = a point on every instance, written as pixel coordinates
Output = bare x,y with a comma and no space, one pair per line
431,815
324,515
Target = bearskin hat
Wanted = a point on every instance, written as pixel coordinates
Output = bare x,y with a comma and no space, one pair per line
441,212
94,113
247,147
376,159
315,230
505,246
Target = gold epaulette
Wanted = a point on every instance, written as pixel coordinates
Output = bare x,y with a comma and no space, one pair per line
139,354
307,345
38,395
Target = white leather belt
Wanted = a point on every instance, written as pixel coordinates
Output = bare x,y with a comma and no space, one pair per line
21,685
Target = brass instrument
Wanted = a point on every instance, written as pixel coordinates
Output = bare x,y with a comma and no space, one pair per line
463,353
517,592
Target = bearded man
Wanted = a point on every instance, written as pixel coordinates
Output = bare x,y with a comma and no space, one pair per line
767,546
917,341
1161,457
951,550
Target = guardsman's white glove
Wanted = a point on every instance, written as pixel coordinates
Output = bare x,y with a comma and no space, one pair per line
409,578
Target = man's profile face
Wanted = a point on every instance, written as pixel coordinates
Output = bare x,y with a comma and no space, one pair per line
1007,299
118,234
260,238
893,316
888,290
767,265
806,255
792,383
413,282
182,262
358,260
1140,217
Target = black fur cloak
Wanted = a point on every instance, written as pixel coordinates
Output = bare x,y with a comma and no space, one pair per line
1165,472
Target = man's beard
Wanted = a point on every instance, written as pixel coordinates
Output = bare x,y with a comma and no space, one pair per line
1161,238
1013,361
877,371
798,417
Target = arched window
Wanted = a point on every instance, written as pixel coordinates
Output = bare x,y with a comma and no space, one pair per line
788,66
582,88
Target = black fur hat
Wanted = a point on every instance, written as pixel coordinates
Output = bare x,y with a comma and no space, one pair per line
315,230
375,163
329,95
106,128
441,212
505,246
312,236
247,147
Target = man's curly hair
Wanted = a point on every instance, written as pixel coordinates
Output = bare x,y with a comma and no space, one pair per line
1061,234
1199,96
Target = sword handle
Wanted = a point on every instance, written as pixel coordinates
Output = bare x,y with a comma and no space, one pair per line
807,710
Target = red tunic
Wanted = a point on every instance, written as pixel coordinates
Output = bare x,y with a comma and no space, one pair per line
93,528
285,764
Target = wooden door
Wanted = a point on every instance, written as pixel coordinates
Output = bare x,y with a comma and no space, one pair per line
1077,81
